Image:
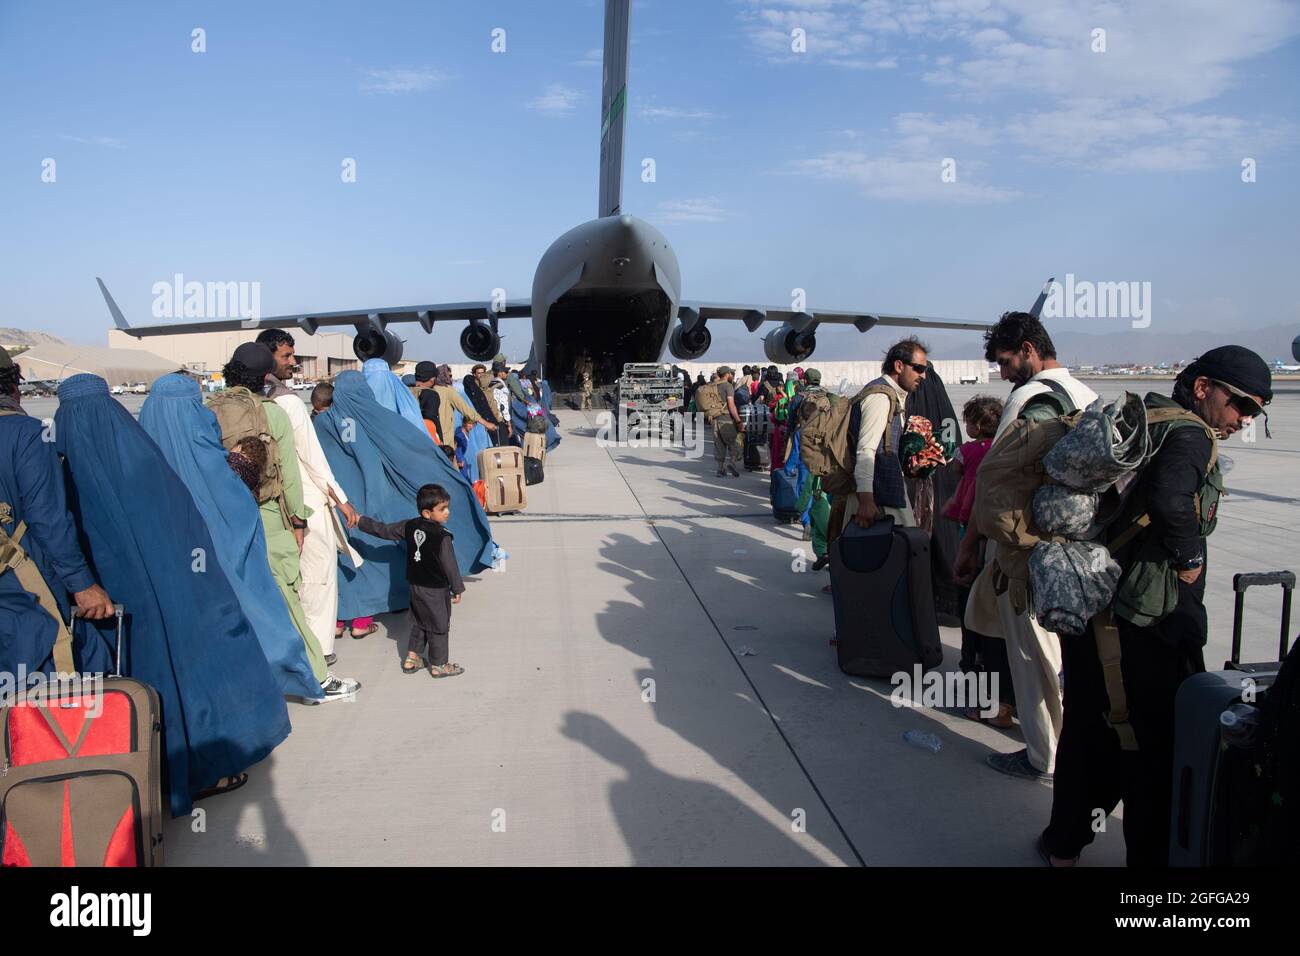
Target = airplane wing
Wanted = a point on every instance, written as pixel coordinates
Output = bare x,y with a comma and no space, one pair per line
691,313
755,315
377,319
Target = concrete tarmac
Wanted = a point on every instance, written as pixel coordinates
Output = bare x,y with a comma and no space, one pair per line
650,681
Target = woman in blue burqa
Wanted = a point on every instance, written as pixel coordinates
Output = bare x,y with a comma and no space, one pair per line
381,462
186,633
528,399
189,437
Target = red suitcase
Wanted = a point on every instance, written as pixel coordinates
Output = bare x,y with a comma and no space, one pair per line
80,781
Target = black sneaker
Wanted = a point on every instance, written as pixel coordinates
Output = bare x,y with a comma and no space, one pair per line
731,470
721,473
331,660
1017,765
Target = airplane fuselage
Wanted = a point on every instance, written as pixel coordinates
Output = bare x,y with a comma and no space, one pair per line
609,287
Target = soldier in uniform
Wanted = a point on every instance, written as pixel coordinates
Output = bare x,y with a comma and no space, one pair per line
583,368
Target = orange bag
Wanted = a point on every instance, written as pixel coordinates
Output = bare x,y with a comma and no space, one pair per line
480,492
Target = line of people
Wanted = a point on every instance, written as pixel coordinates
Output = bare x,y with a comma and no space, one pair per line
241,536
1055,688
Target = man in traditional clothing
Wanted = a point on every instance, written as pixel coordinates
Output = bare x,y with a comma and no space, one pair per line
34,594
880,489
476,386
284,515
439,402
325,538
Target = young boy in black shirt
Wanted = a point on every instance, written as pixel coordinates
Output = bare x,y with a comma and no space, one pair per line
433,575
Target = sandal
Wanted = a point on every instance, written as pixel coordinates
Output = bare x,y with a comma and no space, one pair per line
338,632
412,665
366,633
437,671
224,785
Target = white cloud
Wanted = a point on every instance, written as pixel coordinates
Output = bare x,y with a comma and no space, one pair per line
691,210
1140,105
903,178
655,113
400,81
96,141
593,57
557,100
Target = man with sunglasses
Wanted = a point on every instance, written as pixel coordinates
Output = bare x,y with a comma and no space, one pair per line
881,421
1159,612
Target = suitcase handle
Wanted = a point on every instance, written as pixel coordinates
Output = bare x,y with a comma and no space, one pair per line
1240,584
117,612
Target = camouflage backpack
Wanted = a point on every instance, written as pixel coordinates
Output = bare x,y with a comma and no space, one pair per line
708,400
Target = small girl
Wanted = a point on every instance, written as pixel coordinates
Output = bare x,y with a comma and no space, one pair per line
981,415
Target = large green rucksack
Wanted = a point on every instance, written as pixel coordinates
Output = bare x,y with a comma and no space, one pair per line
709,402
241,415
826,443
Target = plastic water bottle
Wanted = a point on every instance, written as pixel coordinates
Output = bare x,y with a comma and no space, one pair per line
928,742
1237,725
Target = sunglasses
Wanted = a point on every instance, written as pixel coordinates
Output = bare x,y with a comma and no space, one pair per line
918,369
1246,407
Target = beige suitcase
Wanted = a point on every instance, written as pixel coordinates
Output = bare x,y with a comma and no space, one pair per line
502,472
535,446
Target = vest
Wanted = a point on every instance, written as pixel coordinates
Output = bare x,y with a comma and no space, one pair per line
887,484
425,571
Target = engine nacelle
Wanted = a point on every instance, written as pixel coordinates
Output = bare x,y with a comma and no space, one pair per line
785,346
686,346
381,345
479,342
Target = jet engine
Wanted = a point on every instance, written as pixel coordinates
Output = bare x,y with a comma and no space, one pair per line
686,346
479,342
784,346
374,344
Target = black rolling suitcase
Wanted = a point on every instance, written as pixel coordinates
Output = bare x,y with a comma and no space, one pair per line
884,609
1215,714
758,456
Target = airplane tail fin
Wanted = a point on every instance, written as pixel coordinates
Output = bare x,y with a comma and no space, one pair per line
1037,308
613,105
118,318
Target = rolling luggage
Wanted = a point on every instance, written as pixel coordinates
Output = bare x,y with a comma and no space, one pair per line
1214,783
501,470
757,456
781,493
535,446
81,781
884,610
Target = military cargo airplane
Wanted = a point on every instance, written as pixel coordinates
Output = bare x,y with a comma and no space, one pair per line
610,287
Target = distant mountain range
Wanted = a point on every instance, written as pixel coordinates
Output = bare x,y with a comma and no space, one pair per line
10,338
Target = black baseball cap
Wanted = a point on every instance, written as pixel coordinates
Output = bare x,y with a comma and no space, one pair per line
425,371
255,357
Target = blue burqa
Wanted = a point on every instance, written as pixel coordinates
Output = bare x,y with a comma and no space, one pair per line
381,464
189,437
520,413
389,392
186,633
31,483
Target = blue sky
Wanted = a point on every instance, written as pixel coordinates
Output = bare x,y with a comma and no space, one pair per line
775,169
